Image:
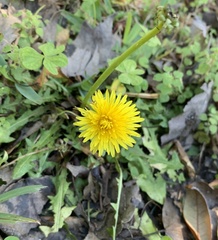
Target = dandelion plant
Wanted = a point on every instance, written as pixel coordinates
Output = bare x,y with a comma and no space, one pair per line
110,123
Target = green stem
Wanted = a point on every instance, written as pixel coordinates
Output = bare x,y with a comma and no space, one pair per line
119,59
117,205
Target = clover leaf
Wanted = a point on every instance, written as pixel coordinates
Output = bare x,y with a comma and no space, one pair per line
53,57
130,73
30,58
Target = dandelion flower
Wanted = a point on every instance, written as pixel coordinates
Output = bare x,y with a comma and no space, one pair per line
110,122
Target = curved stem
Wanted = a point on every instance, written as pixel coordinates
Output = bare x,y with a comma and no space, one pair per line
119,59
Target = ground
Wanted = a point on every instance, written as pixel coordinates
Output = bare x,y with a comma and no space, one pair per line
56,186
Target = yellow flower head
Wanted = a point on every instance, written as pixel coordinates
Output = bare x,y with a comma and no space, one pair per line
110,123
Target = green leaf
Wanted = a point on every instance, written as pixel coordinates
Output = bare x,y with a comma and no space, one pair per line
19,191
158,77
146,226
66,212
155,188
213,129
126,66
51,63
4,131
49,49
178,74
116,206
25,164
4,158
30,58
12,238
130,73
60,212
130,79
53,57
165,89
4,71
6,218
29,93
2,61
168,68
74,20
24,118
46,230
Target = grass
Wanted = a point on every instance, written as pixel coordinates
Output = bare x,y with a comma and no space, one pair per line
160,70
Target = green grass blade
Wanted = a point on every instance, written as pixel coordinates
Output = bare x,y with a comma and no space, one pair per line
19,191
12,218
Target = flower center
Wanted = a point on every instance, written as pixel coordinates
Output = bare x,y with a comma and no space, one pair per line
105,123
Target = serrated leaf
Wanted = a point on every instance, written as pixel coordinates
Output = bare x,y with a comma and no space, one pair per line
46,230
66,212
155,188
58,200
23,166
30,58
29,93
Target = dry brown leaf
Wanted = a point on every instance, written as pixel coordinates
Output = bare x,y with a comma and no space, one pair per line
77,171
131,199
6,21
172,221
91,236
92,48
182,126
210,195
28,205
214,183
185,159
196,215
62,36
92,190
44,76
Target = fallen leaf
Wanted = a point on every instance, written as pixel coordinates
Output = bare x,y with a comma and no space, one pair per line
91,236
62,36
210,195
210,18
171,218
196,215
131,199
6,21
181,126
77,171
185,159
29,205
93,47
199,25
